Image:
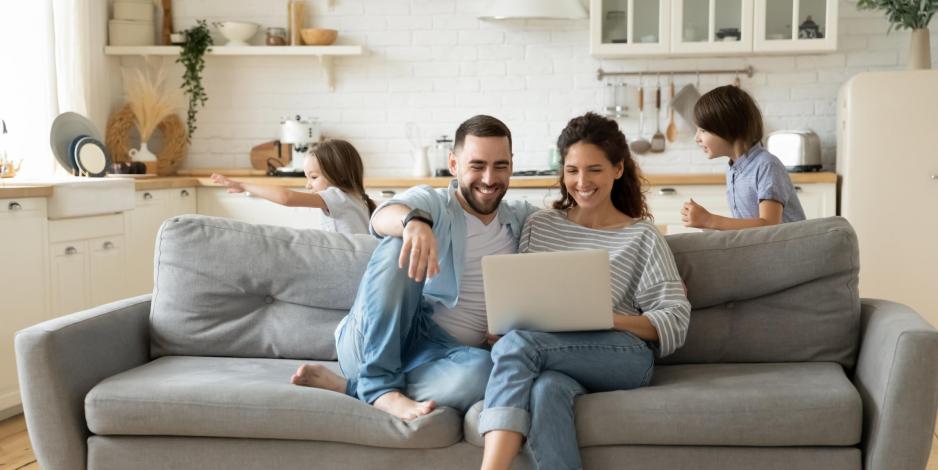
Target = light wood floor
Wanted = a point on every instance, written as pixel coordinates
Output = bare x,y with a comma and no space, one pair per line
15,453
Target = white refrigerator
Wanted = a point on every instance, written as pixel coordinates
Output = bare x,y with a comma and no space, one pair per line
887,159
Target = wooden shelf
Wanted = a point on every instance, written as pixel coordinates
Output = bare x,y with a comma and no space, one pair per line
325,54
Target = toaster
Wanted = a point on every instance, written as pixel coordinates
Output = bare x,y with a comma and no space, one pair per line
799,150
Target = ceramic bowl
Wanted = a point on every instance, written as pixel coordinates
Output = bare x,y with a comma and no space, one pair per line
318,36
237,32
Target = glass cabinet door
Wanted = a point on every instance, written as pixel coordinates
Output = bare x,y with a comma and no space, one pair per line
795,25
711,26
621,28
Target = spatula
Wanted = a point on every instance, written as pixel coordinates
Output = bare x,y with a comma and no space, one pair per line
657,140
671,131
639,145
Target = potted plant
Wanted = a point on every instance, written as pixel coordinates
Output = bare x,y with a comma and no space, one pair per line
192,57
911,14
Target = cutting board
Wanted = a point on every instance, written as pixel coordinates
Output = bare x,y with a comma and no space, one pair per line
261,154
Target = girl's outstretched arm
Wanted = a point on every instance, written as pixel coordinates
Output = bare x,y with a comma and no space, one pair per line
276,194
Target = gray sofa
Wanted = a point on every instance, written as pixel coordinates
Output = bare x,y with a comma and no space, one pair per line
784,367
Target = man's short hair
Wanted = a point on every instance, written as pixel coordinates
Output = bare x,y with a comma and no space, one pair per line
481,126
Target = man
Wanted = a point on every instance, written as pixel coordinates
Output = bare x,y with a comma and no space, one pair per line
413,338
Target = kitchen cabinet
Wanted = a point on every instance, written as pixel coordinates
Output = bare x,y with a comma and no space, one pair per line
143,223
88,262
24,280
219,203
636,28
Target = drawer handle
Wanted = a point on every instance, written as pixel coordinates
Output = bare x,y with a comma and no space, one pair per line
184,193
15,206
667,191
934,177
147,196
388,193
798,188
108,246
71,251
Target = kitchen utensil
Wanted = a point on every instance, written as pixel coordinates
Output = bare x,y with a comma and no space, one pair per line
657,140
421,167
90,157
439,157
263,154
65,128
684,103
166,32
318,36
301,134
639,145
236,32
671,132
799,150
295,17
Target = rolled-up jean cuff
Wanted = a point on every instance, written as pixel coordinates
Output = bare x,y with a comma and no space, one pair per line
505,418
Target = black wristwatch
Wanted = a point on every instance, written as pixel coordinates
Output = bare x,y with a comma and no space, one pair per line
418,214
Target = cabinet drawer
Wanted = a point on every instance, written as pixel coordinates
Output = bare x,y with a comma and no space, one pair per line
665,202
81,228
152,196
29,205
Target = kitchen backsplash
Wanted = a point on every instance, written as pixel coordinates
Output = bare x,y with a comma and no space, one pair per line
434,63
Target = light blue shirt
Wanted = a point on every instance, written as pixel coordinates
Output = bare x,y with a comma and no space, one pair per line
449,228
758,176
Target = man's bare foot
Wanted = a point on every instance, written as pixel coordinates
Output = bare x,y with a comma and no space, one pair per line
315,375
398,404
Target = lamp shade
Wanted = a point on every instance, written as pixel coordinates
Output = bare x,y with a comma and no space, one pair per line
534,9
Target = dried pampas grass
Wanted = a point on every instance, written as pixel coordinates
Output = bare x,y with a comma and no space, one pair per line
149,101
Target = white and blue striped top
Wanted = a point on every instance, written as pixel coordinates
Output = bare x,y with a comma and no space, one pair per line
644,276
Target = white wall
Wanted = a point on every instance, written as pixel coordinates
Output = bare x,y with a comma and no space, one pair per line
434,63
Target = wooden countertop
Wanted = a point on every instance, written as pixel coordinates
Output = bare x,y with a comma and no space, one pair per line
199,178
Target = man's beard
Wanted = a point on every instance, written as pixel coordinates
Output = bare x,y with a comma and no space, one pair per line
477,206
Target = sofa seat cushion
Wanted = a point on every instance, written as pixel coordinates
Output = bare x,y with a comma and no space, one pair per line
250,398
791,404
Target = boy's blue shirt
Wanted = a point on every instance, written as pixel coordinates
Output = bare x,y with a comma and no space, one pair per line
757,176
449,228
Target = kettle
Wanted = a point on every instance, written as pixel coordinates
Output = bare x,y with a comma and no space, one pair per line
7,168
440,156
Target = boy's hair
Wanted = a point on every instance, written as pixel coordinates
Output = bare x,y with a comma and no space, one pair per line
481,126
627,195
341,164
730,113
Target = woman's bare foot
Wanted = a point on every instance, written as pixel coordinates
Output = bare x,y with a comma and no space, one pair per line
315,375
398,404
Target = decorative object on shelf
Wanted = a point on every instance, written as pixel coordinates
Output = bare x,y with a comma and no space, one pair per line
150,104
192,57
166,31
295,14
913,15
318,36
276,37
729,34
236,32
132,25
121,135
177,39
808,29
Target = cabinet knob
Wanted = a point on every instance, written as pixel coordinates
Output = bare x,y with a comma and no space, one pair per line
108,245
388,193
934,177
71,250
15,206
147,196
184,193
797,189
667,191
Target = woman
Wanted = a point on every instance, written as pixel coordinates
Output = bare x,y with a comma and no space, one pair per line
537,375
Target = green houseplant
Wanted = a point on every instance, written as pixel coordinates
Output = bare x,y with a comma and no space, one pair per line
192,57
909,14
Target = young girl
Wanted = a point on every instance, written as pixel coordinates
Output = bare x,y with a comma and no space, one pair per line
758,188
334,175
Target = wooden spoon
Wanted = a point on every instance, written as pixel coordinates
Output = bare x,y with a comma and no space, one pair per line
671,131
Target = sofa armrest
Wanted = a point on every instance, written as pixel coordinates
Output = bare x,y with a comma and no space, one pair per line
60,360
897,376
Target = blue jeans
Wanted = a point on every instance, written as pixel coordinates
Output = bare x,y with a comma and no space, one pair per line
388,342
537,376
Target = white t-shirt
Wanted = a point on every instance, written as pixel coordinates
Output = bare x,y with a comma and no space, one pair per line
344,213
467,321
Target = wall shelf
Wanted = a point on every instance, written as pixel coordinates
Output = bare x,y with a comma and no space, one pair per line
325,54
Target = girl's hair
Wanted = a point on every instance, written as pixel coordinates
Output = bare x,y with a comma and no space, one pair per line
341,164
591,128
731,114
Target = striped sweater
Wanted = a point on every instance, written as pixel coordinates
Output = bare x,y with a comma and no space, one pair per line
644,276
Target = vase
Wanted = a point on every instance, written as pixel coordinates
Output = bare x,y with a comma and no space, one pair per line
142,154
919,50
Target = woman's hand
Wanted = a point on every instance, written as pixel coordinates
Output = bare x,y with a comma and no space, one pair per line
492,339
419,252
694,215
232,185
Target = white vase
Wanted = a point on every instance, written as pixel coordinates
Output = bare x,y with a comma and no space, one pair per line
421,167
919,50
142,154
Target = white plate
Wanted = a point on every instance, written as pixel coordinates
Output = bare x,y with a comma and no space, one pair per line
65,128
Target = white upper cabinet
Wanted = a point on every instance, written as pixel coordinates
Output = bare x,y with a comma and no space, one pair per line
795,25
711,26
629,27
635,28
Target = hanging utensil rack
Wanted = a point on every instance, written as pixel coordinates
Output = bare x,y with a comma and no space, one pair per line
748,71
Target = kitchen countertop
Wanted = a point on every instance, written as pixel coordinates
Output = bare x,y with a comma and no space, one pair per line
199,178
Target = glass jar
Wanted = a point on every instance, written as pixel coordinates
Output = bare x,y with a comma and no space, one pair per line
276,36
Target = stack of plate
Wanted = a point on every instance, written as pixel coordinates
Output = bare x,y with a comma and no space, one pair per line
132,24
77,145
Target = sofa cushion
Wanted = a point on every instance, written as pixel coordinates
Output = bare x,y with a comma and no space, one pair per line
228,288
250,398
807,404
786,293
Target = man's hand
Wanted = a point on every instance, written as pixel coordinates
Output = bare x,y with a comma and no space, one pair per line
694,215
419,252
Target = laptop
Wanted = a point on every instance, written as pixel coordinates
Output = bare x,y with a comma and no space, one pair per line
551,291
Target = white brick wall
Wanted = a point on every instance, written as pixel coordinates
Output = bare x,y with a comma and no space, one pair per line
434,63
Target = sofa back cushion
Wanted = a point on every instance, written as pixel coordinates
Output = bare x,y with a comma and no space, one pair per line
786,293
228,288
